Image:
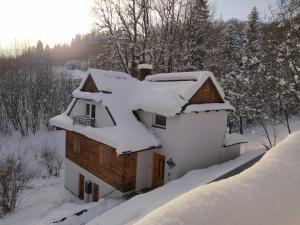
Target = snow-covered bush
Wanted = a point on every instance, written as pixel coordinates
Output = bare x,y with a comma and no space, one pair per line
15,177
51,160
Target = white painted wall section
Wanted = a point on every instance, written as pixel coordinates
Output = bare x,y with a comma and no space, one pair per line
72,172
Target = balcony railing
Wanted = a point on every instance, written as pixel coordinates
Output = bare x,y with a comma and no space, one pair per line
84,120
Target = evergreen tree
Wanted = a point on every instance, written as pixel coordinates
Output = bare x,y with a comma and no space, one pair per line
252,67
230,69
199,34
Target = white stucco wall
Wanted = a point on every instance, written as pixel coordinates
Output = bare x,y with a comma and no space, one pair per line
192,140
102,117
72,172
230,152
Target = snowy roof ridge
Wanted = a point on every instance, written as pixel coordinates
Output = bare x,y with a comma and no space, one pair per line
195,79
127,94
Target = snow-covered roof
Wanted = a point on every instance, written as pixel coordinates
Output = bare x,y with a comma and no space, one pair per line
122,94
233,139
268,193
187,82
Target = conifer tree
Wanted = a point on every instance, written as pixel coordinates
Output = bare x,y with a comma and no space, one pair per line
198,35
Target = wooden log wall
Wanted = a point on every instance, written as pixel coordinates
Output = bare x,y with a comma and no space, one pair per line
118,171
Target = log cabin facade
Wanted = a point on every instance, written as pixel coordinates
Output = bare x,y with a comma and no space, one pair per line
124,142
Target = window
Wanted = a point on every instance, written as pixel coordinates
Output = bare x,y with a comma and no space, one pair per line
160,121
87,109
93,112
76,144
104,156
90,110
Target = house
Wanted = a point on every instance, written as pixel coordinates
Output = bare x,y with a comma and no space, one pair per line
123,134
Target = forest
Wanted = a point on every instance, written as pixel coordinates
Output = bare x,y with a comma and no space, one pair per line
256,61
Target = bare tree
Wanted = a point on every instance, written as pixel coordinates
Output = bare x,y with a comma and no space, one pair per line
15,177
51,160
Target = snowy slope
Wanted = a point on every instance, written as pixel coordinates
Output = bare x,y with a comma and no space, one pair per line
142,204
266,194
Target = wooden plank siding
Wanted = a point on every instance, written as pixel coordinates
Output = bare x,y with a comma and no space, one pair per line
118,171
208,93
89,85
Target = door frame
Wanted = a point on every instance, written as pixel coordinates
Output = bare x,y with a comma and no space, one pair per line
158,169
81,186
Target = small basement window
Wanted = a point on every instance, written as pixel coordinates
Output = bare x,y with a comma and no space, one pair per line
160,121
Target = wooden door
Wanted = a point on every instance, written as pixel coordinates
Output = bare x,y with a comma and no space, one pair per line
95,192
81,187
158,171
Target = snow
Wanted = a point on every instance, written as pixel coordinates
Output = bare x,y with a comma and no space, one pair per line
127,94
209,107
156,100
145,66
187,82
232,139
46,200
118,137
266,194
142,204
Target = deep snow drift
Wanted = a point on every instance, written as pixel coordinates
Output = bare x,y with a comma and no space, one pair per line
266,194
142,204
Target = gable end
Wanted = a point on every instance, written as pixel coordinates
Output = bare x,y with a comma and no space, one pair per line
89,85
208,93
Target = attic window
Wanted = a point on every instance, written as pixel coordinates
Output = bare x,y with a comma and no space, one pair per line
160,121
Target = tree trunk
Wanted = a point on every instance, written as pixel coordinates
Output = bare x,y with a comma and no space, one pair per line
287,121
241,125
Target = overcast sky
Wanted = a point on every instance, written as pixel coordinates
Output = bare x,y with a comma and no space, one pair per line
240,8
58,21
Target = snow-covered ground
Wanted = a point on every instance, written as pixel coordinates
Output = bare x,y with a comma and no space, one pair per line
49,201
142,204
266,194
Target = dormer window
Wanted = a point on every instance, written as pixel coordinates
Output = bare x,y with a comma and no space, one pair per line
160,121
90,111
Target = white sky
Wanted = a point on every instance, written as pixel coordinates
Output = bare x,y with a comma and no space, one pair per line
58,21
241,8
52,21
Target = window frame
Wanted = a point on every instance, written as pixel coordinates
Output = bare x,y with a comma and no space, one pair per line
104,157
87,109
90,110
93,111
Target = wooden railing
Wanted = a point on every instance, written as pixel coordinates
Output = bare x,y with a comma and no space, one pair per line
84,120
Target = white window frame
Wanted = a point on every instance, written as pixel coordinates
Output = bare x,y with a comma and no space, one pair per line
90,107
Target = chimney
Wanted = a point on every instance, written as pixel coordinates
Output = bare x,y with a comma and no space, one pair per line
145,70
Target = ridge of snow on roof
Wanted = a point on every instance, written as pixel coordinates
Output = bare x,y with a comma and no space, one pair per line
122,94
268,193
